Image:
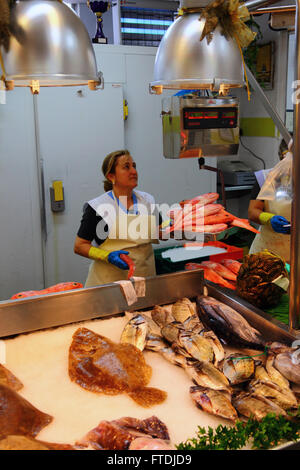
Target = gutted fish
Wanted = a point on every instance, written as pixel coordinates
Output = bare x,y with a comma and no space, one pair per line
148,443
252,405
183,309
206,375
215,402
102,366
238,368
118,434
162,316
288,364
135,332
197,346
272,391
228,324
18,416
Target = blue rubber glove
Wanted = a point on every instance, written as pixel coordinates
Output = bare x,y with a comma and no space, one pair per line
114,258
278,222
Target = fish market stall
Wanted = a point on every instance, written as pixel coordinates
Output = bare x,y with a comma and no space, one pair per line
50,340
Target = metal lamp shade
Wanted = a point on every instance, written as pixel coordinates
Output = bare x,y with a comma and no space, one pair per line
184,62
50,44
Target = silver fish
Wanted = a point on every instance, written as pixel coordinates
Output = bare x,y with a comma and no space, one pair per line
228,324
135,332
183,309
287,364
196,345
215,402
153,327
274,393
158,344
275,376
193,324
248,404
171,331
161,316
238,368
207,375
218,349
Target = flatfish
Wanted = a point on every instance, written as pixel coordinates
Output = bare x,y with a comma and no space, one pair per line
18,416
9,379
102,366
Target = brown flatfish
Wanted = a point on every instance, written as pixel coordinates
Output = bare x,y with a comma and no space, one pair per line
18,416
9,379
102,366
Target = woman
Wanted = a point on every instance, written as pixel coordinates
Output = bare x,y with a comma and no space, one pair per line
274,218
121,222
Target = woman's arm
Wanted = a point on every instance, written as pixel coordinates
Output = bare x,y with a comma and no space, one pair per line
82,247
256,207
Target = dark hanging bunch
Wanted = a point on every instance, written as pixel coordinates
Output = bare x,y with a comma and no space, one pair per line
255,280
5,30
230,15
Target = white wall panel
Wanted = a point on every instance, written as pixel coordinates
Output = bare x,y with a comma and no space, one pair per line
76,131
20,229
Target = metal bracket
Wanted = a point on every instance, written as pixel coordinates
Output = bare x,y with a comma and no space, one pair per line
35,87
97,84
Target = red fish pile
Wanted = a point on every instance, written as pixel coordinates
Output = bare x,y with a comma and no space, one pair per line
61,287
223,273
203,214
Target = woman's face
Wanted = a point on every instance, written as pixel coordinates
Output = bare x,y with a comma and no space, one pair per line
125,175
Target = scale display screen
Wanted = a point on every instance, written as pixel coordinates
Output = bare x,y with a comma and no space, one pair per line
208,118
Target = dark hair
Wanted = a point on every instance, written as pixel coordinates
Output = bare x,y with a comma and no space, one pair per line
109,166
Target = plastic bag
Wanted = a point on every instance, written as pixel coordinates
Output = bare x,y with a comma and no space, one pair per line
278,183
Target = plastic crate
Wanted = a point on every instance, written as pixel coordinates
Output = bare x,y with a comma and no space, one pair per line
232,252
165,265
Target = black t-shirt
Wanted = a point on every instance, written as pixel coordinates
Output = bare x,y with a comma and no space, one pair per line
89,224
255,191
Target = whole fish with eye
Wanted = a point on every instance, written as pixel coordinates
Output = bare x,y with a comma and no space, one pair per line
274,393
202,373
135,332
252,405
228,324
238,368
216,402
102,366
61,287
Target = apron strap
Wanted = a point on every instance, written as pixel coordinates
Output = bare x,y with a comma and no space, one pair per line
135,203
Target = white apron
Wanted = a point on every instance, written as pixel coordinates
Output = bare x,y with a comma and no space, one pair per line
278,243
134,233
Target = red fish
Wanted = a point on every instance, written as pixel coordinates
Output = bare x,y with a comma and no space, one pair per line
203,199
242,223
62,286
130,263
219,269
210,275
232,264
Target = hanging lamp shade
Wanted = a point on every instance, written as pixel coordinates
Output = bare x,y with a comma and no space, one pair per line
184,62
48,44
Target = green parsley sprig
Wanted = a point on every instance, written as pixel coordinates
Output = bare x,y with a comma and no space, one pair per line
271,431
